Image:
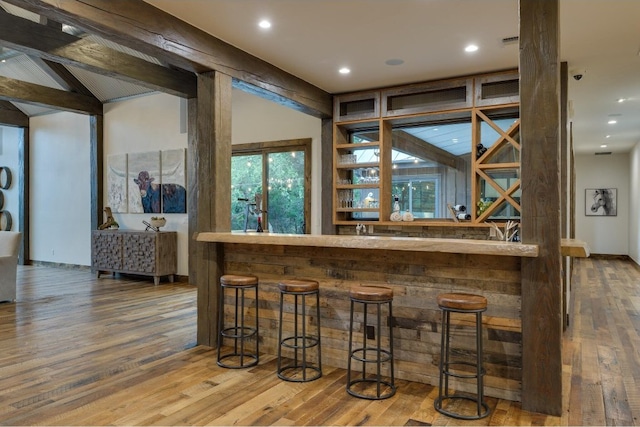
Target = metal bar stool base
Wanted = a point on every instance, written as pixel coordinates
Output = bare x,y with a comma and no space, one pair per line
300,369
439,401
299,374
240,364
372,386
468,304
239,357
367,384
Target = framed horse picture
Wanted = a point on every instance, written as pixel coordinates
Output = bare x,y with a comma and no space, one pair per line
601,202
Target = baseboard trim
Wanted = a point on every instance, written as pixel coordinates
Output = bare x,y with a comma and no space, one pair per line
611,256
60,265
176,277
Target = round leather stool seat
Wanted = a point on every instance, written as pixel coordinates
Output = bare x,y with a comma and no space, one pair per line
462,301
294,285
236,280
371,293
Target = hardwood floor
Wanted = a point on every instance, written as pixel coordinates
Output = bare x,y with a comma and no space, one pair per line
79,351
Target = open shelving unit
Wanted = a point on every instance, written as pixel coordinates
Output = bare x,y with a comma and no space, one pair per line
363,143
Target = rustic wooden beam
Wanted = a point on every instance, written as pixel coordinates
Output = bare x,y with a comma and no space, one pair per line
147,29
541,276
62,76
326,180
12,116
414,146
24,223
209,154
96,152
29,93
564,193
47,42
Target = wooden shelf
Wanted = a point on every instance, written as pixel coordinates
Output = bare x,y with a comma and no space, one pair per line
357,209
358,146
358,165
356,186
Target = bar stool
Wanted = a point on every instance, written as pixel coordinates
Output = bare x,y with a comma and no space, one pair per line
376,296
461,303
300,342
240,333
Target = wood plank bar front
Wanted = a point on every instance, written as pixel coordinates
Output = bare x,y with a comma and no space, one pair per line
418,269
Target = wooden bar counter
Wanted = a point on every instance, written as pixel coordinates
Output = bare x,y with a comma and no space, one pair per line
417,269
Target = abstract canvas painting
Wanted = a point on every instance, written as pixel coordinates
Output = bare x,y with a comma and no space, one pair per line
117,182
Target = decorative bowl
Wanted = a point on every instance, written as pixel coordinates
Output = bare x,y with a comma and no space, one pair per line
157,223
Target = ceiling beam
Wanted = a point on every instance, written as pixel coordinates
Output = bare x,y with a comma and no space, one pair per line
417,147
62,76
12,116
49,43
147,29
414,146
18,91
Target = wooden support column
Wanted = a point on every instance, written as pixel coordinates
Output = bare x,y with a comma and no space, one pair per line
96,130
567,262
326,180
209,181
24,257
541,276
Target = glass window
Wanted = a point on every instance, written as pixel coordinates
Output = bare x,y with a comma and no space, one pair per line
246,182
431,167
286,192
270,180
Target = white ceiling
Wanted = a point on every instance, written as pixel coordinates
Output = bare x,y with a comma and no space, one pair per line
312,39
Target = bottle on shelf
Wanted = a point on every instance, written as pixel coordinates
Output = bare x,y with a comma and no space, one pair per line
259,228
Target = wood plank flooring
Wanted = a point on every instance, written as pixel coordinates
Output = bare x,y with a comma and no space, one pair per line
76,350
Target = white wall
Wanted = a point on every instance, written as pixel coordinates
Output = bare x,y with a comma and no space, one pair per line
153,123
604,235
258,120
146,123
9,157
634,204
60,196
60,165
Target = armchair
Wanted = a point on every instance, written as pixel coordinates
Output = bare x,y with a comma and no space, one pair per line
9,248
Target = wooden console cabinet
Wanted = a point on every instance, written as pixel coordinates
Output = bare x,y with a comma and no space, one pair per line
147,253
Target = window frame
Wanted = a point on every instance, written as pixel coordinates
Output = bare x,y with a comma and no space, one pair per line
280,146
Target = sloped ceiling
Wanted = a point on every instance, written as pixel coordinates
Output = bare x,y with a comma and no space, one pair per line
20,66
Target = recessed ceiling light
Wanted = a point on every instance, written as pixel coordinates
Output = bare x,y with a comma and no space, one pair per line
608,136
344,70
612,122
471,48
621,100
394,61
264,24
603,146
